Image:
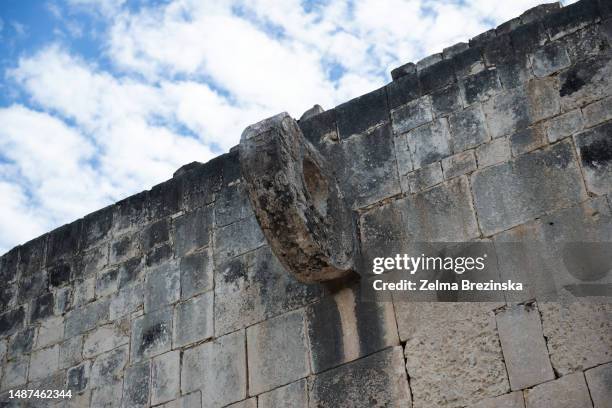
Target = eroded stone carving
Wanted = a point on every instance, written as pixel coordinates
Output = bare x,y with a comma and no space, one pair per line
297,201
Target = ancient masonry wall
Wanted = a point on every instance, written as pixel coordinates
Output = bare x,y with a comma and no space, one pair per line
173,298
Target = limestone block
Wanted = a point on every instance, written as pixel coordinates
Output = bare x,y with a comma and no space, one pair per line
151,334
254,287
345,327
294,395
31,287
526,140
86,317
60,273
403,90
523,345
568,351
363,113
569,391
494,152
446,100
88,263
599,380
408,68
414,113
379,380
436,75
63,300
162,286
193,320
71,352
63,242
249,403
468,62
107,396
192,230
237,238
193,400
571,18
232,205
549,59
84,291
130,271
425,177
534,183
430,143
124,248
136,385
595,151
3,348
597,112
43,363
107,282
383,232
130,212
11,321
586,43
459,164
159,254
8,297
564,125
542,96
468,128
585,82
22,342
15,373
105,338
108,368
480,86
42,307
77,378
277,352
128,299
165,377
402,155
321,130
512,400
218,369
51,331
155,234
31,257
196,273
96,227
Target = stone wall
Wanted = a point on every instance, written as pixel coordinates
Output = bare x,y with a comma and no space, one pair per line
173,297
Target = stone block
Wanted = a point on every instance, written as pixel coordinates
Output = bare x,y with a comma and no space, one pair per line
408,68
159,254
64,242
86,318
436,76
468,62
199,184
599,380
77,378
507,112
403,90
155,234
571,18
495,50
97,226
512,400
366,168
106,338
131,212
294,395
130,271
162,286
193,320
248,403
193,400
42,307
11,321
124,248
320,130
31,258
232,205
8,297
360,115
151,334
165,377
468,128
22,342
569,352
87,264
84,291
164,199
255,287
344,328
564,125
549,59
196,273
428,61
480,86
461,343
382,231
597,112
569,391
31,287
237,238
218,369
277,352
402,155
107,396
595,151
459,164
425,177
63,300
542,95
107,368
429,143
413,114
107,282
126,300
523,345
71,352
495,152
51,331
379,379
586,81
8,265
192,230
586,43
449,52
446,100
59,274
535,183
43,363
15,373
136,385
526,140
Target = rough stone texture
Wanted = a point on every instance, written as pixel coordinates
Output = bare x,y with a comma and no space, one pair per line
192,230
599,380
162,286
425,177
196,273
377,380
411,115
523,345
567,392
107,368
429,143
527,140
597,112
294,395
564,125
468,128
459,164
193,320
43,363
460,342
570,352
595,152
136,385
512,400
151,334
165,377
105,338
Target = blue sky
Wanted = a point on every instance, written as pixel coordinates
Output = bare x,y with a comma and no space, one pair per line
101,99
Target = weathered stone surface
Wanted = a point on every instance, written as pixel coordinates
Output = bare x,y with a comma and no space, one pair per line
97,226
107,282
63,300
59,274
586,43
344,328
585,82
124,248
480,86
232,205
42,307
459,164
549,59
595,151
553,182
51,331
77,378
165,377
294,395
277,352
468,62
428,61
84,291
523,345
128,299
107,368
597,112
11,321
151,334
567,392
494,152
64,242
88,263
130,271
43,363
86,317
31,257
383,232
193,320
376,380
320,130
107,396
449,52
413,114
460,342
403,90
155,234
425,177
218,369
571,18
192,230
468,128
569,352
408,68
237,238
71,352
162,286
31,287
403,156
15,373
361,114
599,380
446,100
159,254
429,143
136,385
526,140
106,338
22,342
196,273
564,125
512,400
436,75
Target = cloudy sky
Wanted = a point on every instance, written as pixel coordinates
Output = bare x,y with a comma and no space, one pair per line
100,99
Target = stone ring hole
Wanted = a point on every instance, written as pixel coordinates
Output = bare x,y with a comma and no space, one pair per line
316,186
